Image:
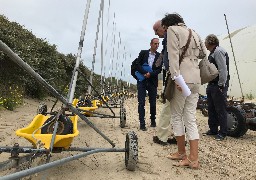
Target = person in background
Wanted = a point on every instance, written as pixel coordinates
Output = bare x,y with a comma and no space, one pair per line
183,109
217,89
164,122
150,82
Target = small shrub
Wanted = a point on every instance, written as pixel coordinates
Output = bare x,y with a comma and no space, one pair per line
249,96
9,104
11,97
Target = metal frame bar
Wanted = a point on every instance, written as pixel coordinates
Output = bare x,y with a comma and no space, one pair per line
49,165
95,114
22,150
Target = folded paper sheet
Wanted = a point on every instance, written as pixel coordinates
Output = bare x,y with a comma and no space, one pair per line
185,89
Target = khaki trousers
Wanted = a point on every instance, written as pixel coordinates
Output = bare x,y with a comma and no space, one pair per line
164,123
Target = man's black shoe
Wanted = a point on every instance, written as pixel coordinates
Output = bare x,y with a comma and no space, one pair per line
143,128
153,125
210,133
172,140
220,137
158,141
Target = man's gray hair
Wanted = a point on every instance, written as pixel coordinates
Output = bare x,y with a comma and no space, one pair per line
212,39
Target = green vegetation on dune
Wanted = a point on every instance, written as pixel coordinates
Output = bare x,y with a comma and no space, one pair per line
56,68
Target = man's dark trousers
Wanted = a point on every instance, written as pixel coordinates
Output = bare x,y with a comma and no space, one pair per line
217,109
142,86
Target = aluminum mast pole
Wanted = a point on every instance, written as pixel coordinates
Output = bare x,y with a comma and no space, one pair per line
95,47
72,85
234,57
101,68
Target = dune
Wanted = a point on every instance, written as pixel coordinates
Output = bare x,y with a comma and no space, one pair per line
229,159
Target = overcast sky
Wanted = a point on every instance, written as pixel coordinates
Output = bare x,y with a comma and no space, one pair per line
60,23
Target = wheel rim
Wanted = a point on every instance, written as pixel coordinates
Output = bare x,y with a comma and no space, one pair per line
59,130
232,121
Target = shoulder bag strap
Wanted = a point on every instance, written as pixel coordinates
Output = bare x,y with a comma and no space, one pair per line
183,53
186,46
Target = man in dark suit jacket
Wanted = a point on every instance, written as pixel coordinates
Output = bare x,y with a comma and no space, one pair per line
150,82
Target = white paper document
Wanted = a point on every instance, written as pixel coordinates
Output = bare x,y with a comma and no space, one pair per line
185,89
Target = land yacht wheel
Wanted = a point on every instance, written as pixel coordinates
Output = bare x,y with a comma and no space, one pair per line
122,117
65,125
131,153
42,109
236,121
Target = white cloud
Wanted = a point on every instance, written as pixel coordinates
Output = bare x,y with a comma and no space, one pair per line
60,22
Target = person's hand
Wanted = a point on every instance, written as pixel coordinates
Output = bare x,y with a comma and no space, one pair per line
147,75
159,60
179,88
221,88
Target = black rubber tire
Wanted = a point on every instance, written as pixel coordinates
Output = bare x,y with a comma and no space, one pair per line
42,109
237,126
204,112
131,153
122,117
84,103
65,126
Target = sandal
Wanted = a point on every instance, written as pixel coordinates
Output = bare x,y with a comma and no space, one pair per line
177,156
193,164
187,163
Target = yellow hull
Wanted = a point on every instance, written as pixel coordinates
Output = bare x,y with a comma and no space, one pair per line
91,109
33,133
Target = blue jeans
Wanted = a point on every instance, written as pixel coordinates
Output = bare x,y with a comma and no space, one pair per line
142,86
217,109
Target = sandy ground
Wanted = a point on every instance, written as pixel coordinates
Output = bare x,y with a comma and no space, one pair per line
229,159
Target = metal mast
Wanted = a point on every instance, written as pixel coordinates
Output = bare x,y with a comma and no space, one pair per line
72,85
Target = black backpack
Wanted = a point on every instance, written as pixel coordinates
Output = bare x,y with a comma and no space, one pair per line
134,69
